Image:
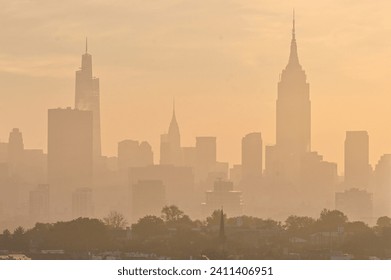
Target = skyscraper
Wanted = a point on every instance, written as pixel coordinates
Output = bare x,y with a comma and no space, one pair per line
69,148
357,168
252,156
87,98
170,144
293,128
293,121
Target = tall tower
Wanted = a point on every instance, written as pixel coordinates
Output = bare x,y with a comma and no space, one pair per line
170,145
357,167
87,98
293,129
252,156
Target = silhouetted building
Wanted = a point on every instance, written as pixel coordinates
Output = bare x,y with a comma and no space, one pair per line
252,156
223,195
235,174
3,152
178,182
87,98
69,148
82,203
133,154
189,156
206,151
293,116
357,168
356,204
148,198
170,144
382,187
39,204
296,179
15,151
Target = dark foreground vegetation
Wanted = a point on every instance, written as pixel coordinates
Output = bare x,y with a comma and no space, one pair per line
175,236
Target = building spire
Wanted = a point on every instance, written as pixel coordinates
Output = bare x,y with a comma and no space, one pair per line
86,45
293,56
173,107
293,29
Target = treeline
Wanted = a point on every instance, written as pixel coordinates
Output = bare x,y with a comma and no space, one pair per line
175,235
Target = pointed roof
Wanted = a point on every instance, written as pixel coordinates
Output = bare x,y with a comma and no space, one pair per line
293,56
174,128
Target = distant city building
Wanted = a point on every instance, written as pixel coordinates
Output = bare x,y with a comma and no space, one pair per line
382,187
296,179
356,204
3,152
148,198
25,166
189,156
69,148
170,144
205,151
235,174
357,168
293,121
87,97
133,154
15,151
82,203
252,156
223,195
39,208
178,182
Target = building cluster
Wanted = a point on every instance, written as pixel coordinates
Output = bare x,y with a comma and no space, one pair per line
75,180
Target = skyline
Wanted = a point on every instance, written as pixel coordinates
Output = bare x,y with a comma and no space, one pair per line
256,111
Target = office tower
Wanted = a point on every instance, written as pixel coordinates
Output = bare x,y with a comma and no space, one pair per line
206,151
69,148
235,174
82,204
87,98
293,127
148,198
252,156
170,144
356,204
382,187
15,150
293,122
133,154
127,154
178,182
39,204
223,195
357,168
189,156
145,154
3,152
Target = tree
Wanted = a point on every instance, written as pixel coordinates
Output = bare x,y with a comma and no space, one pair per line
384,222
330,220
149,226
172,213
115,220
18,239
295,223
214,219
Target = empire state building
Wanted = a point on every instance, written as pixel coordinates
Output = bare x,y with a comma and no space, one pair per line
87,98
293,128
293,121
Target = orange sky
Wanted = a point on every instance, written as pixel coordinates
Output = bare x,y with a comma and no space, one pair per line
221,59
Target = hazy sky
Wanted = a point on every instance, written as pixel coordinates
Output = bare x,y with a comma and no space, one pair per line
220,59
